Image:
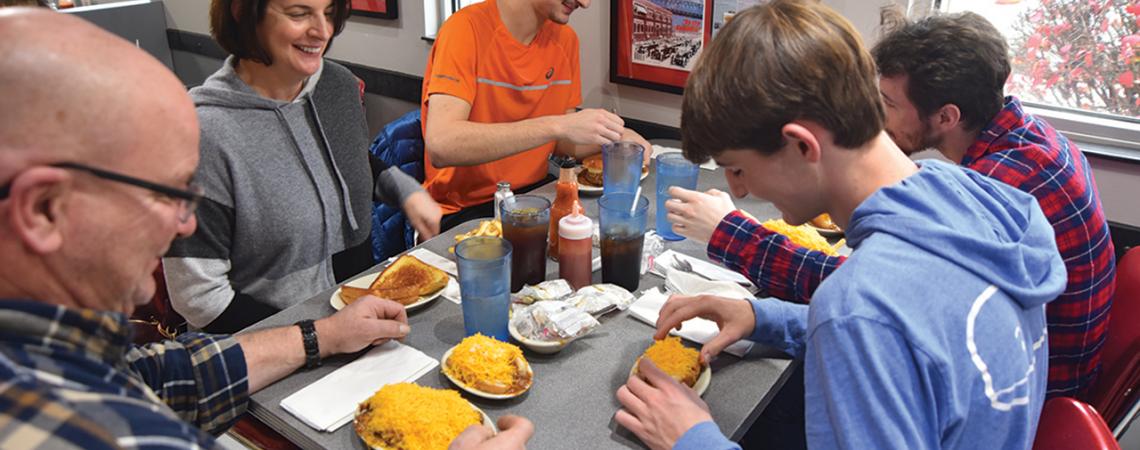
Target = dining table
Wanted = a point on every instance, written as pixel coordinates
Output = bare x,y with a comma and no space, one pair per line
572,400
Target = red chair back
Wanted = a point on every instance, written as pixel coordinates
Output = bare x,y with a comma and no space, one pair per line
1118,386
1069,424
157,320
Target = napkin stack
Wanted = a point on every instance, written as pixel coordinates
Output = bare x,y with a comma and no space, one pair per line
647,308
663,266
331,402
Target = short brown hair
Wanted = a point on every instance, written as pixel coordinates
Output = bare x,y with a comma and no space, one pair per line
775,63
239,37
958,59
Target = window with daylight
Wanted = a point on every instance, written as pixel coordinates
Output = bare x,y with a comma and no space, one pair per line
437,11
1072,56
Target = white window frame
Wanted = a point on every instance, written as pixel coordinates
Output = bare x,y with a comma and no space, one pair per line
1078,125
436,12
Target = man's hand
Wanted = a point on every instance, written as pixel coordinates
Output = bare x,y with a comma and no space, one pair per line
591,127
735,319
696,215
632,136
423,213
367,321
514,431
659,410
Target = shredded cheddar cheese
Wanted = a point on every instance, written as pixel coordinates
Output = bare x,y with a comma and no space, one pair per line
407,416
803,235
673,358
480,358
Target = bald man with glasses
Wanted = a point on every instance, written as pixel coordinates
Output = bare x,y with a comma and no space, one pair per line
98,147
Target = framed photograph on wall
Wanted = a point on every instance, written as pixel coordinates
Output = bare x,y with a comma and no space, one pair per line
655,43
384,9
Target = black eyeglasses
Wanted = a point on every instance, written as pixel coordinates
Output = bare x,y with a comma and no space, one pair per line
188,200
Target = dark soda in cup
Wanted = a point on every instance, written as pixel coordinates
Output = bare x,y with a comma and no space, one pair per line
526,222
623,236
621,258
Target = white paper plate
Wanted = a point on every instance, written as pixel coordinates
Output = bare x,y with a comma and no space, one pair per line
476,392
366,280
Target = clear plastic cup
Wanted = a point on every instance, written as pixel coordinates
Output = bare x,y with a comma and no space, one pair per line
672,170
623,237
484,264
526,224
621,167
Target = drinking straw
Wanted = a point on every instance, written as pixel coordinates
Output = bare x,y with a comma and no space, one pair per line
633,207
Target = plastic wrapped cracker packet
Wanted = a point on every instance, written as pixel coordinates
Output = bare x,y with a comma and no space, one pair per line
553,320
598,299
546,290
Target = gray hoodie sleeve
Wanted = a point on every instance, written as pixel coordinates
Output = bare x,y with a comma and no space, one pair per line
393,186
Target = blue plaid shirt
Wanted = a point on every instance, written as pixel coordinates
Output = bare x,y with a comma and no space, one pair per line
70,378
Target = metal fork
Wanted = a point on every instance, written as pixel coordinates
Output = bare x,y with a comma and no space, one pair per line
687,267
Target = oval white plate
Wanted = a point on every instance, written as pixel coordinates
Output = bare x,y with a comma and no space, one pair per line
544,347
487,422
366,280
700,386
587,189
476,392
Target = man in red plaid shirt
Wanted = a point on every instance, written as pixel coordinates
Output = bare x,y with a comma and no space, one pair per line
942,81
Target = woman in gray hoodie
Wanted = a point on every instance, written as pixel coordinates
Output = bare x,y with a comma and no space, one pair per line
285,165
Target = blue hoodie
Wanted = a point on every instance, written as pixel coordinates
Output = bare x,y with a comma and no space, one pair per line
932,335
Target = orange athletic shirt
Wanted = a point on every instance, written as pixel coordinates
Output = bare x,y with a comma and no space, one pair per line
476,59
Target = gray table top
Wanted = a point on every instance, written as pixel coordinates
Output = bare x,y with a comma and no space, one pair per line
572,401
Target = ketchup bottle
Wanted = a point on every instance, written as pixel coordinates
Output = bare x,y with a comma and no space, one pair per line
575,245
564,200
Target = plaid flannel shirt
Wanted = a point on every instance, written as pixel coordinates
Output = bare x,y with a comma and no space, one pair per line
70,378
1021,151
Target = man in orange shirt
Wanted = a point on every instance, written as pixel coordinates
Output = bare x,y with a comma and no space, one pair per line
503,83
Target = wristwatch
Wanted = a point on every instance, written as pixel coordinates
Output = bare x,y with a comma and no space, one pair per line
309,338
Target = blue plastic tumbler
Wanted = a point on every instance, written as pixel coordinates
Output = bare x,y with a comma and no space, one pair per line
484,281
621,167
672,170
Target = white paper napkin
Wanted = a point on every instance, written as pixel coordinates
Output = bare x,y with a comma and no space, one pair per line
451,291
689,284
648,307
663,264
331,402
436,260
658,150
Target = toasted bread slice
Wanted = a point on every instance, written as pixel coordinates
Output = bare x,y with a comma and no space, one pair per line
349,294
404,295
409,271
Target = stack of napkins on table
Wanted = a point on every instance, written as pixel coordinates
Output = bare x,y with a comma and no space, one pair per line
648,307
663,266
331,402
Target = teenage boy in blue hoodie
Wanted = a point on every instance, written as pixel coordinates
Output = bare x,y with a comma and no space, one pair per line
932,335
